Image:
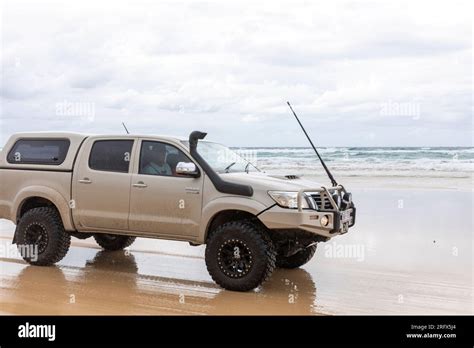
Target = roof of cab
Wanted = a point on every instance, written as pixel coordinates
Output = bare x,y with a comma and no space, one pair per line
76,140
74,135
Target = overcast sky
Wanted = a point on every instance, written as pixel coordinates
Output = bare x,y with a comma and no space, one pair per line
360,73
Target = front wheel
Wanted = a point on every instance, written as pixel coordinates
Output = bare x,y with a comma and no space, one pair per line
297,260
239,256
113,242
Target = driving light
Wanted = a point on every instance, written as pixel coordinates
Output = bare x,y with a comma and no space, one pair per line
288,199
325,220
346,200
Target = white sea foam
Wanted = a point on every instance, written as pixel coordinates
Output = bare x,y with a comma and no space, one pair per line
426,161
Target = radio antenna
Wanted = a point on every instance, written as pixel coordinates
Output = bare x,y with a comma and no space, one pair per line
124,126
333,181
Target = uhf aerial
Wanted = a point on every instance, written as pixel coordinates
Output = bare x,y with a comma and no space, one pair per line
333,181
124,126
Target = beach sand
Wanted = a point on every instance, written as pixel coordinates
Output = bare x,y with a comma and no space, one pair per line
411,252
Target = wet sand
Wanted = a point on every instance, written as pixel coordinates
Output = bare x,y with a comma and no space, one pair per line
411,252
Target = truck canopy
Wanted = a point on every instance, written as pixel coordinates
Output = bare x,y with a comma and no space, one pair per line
53,151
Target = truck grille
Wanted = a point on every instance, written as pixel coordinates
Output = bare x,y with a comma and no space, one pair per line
322,202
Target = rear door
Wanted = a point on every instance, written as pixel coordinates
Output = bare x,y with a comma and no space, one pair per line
101,184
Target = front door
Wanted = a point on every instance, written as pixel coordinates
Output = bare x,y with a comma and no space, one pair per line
162,202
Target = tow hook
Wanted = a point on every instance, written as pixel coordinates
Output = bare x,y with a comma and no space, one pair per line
294,247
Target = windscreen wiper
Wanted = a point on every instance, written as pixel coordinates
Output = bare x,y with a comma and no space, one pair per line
229,166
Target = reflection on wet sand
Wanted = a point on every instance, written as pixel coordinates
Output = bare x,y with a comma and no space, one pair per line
407,265
111,283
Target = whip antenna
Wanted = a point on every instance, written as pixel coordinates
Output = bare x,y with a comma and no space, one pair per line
333,181
124,126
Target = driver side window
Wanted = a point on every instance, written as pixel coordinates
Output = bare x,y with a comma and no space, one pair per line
157,158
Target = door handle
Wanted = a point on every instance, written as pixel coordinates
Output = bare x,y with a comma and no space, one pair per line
85,181
140,184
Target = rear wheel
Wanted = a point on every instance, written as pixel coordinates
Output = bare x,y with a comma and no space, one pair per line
297,260
239,256
41,238
113,242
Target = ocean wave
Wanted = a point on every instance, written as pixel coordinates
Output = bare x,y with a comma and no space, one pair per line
425,160
362,152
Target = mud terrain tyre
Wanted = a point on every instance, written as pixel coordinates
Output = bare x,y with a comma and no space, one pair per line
41,238
297,260
239,256
113,242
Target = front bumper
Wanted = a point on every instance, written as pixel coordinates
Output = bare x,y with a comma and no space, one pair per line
340,220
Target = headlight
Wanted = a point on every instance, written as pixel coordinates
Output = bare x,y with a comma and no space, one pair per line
288,199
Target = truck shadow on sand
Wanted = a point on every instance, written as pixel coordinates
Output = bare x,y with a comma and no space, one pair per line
111,283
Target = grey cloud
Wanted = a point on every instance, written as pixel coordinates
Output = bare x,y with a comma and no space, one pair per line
230,67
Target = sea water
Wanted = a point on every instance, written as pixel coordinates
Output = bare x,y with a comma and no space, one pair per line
366,161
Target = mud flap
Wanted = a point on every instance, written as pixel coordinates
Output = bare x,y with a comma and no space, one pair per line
14,238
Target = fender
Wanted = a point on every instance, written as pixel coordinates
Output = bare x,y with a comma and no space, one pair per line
226,203
48,193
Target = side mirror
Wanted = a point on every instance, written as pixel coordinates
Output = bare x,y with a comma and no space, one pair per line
187,169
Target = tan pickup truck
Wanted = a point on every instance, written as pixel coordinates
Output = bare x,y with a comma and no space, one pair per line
115,188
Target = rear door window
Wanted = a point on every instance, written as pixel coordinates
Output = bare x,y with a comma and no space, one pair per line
39,151
111,155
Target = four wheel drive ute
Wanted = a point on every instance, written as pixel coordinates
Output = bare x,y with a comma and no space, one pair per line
117,188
